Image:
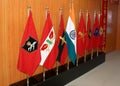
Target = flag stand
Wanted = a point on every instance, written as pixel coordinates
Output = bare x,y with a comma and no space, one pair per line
57,67
92,54
43,74
27,80
77,61
67,64
85,56
97,51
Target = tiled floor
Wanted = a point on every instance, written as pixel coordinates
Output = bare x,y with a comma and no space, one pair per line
107,74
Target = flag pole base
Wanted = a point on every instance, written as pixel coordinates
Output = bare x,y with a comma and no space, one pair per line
27,80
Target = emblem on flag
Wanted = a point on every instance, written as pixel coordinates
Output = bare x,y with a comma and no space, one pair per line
101,31
30,45
48,42
72,34
96,33
89,34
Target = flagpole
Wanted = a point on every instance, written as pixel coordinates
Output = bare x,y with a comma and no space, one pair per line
28,80
93,26
77,62
29,8
71,1
57,67
67,57
85,58
47,9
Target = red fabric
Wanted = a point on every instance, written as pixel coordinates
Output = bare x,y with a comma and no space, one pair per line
28,61
81,37
96,33
62,47
89,34
51,58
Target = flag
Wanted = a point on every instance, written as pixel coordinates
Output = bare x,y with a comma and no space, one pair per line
89,34
81,36
70,36
62,47
29,56
48,48
101,32
96,33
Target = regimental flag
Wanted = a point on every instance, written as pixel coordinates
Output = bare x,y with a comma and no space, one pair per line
29,56
96,33
70,36
81,36
89,34
48,48
101,31
62,47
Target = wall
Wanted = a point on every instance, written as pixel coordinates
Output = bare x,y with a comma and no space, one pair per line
118,29
12,22
111,35
3,47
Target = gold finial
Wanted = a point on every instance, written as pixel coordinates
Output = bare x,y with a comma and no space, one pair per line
29,8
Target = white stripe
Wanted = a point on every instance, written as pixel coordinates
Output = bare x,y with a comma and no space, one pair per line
45,53
69,28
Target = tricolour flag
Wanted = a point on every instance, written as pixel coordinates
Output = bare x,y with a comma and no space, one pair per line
96,33
81,36
62,47
29,56
48,48
89,34
71,36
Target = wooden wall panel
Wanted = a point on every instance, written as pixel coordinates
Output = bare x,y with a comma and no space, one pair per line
118,29
14,15
111,37
3,47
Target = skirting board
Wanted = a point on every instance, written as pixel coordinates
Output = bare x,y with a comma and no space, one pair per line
64,76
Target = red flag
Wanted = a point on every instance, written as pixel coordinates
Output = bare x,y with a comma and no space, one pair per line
48,45
101,33
62,47
96,33
29,56
81,34
89,34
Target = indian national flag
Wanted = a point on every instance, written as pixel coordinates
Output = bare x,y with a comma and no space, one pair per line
71,36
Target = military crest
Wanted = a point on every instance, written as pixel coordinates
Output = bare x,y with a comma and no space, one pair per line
101,31
96,32
89,34
30,44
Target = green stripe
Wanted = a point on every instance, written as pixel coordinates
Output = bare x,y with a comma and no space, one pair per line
71,49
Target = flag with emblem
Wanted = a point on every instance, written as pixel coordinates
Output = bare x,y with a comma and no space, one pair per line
89,34
62,47
81,36
29,56
96,32
48,48
101,32
70,36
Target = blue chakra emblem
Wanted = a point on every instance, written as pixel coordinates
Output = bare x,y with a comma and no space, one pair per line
96,32
72,34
